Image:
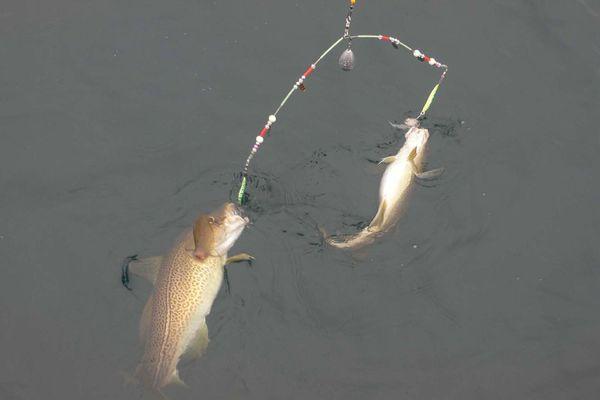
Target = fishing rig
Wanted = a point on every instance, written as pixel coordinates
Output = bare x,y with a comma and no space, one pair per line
346,63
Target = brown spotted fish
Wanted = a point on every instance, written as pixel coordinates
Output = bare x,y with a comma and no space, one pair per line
186,281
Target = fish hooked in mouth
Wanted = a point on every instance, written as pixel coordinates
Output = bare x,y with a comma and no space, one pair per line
240,212
186,282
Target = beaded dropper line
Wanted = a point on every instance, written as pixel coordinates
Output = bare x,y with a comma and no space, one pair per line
346,62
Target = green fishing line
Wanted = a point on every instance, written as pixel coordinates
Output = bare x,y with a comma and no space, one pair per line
242,190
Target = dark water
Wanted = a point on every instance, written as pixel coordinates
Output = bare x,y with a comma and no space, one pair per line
121,121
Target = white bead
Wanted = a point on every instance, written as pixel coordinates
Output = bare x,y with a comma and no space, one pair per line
260,139
380,37
302,78
417,53
432,61
272,119
313,66
295,87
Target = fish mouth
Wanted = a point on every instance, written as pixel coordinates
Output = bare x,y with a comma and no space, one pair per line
234,214
239,211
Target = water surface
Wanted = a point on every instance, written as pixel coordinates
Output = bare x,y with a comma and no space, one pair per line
121,121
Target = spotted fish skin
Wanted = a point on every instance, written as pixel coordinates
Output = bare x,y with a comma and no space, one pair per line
185,289
186,282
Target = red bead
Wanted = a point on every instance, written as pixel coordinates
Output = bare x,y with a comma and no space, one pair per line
308,71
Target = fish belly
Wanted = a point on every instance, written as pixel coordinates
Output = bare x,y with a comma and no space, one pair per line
205,300
183,296
396,179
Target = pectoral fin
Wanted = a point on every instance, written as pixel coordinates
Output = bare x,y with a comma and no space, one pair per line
378,219
431,174
239,258
145,267
412,155
387,160
203,236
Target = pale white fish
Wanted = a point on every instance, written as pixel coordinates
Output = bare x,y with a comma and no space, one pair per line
394,186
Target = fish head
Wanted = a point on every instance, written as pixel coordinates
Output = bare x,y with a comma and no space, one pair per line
416,139
215,233
411,123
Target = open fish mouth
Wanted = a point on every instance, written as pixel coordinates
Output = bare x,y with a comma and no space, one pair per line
240,212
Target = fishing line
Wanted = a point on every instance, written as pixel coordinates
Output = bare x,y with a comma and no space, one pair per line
346,63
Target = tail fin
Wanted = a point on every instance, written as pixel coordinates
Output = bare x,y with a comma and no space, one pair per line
153,388
133,379
362,238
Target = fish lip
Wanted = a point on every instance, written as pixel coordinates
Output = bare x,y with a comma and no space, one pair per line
245,218
240,212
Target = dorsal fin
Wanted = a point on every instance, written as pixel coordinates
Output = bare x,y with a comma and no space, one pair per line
145,267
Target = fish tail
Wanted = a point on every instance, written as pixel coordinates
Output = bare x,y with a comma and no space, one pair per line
142,377
138,379
363,238
155,393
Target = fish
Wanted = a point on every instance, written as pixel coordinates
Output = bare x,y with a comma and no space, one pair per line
186,282
401,169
